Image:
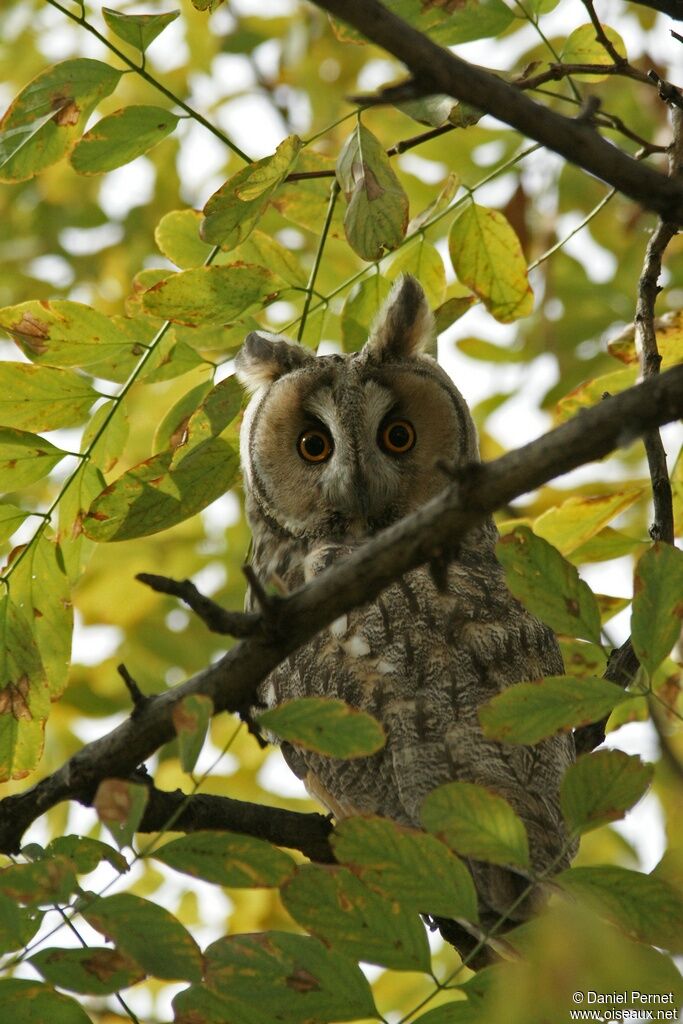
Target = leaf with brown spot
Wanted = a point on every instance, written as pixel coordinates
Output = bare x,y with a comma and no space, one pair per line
377,212
335,906
249,971
89,971
657,616
65,333
548,585
529,712
45,120
24,696
120,805
191,717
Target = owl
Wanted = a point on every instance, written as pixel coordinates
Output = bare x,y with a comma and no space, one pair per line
334,448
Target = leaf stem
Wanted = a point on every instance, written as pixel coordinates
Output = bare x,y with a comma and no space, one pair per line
334,192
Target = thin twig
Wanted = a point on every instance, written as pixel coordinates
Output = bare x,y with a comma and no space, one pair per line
602,37
334,192
215,617
646,340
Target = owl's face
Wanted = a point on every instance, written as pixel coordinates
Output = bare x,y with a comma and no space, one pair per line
341,446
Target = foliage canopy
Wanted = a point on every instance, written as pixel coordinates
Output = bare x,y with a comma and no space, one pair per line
169,180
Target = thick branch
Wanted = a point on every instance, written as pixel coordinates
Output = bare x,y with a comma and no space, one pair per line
421,537
306,832
437,70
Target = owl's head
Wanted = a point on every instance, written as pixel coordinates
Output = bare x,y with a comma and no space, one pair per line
341,446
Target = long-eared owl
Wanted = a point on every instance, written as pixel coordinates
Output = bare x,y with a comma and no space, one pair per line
334,448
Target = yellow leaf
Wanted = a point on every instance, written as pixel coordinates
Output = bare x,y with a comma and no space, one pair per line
487,256
576,520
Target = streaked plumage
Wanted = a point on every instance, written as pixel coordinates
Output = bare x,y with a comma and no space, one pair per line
418,659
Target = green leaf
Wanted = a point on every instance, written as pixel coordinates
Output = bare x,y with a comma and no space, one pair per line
486,351
76,547
605,545
290,978
582,47
669,335
18,925
24,695
234,210
337,908
306,202
377,213
47,881
225,858
212,295
529,712
25,458
191,717
657,604
548,585
43,397
173,427
487,257
431,110
30,1002
138,29
41,591
86,853
461,1012
326,726
576,520
197,1003
216,411
473,19
643,906
591,392
153,937
360,309
120,805
49,114
601,787
121,137
177,235
406,865
11,518
421,259
445,197
92,971
105,435
153,496
476,823
65,333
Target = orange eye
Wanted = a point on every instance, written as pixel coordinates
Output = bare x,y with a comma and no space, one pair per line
397,437
314,445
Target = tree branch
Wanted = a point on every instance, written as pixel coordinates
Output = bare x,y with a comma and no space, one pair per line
437,70
646,339
307,832
421,537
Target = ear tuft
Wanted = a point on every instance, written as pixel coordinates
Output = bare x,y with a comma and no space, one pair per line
264,357
404,326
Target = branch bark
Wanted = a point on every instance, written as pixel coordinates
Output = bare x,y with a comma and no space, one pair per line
307,832
437,70
431,532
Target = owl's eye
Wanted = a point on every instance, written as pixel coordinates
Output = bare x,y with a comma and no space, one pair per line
397,437
314,445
